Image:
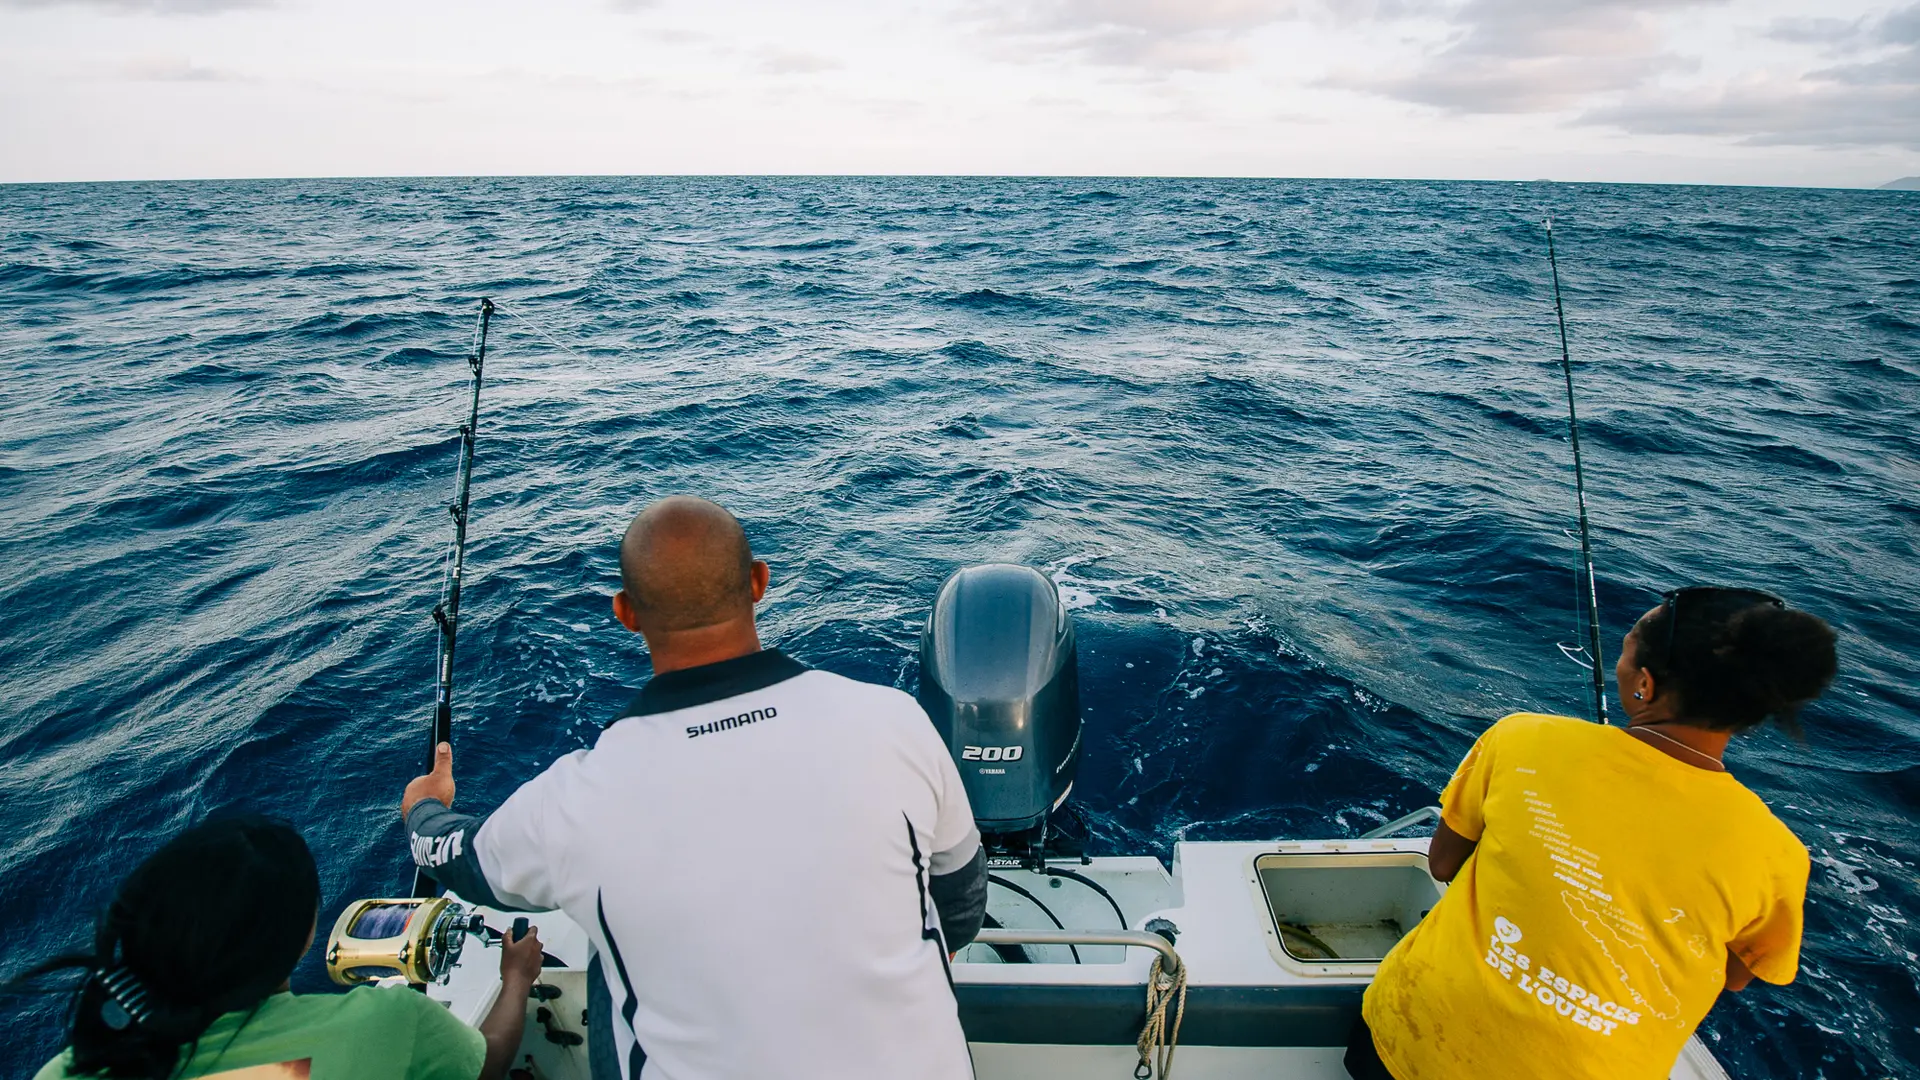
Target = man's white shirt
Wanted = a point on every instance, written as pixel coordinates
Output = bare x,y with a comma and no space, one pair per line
751,848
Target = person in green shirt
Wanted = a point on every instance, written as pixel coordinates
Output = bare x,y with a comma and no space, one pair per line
188,978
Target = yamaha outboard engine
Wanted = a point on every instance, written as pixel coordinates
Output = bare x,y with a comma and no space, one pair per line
999,677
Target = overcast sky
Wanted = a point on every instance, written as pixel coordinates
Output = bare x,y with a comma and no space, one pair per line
1756,91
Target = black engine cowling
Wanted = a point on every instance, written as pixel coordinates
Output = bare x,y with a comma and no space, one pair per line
999,677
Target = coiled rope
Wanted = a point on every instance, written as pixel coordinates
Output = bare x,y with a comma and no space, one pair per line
1157,1040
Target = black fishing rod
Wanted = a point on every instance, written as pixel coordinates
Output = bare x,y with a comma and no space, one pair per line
446,613
1580,500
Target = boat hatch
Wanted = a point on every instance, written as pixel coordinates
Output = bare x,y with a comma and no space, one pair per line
1337,913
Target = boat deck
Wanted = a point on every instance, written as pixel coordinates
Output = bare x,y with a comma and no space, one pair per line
1262,1000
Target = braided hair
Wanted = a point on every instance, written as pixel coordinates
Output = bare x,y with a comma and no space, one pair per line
211,923
1736,663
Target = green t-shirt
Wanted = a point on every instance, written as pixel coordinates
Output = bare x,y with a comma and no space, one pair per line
367,1033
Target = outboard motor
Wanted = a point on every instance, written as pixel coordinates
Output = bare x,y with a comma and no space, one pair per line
999,677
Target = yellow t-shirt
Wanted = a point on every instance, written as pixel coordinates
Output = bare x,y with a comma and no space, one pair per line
1587,934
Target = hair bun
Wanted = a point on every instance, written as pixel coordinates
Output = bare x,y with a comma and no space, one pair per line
1776,659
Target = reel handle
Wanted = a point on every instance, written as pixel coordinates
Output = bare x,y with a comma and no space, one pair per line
519,930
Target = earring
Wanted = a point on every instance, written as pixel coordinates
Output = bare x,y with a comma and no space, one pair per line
1637,695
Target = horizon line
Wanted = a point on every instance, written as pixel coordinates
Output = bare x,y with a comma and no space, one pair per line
289,178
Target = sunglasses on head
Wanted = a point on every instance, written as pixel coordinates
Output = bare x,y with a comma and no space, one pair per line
1670,600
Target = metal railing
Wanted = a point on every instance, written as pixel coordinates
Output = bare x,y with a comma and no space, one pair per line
1141,939
1425,813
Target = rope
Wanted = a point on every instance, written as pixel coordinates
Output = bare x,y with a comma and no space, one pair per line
1157,1041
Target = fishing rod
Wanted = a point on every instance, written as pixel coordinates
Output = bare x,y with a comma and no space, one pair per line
446,613
1592,663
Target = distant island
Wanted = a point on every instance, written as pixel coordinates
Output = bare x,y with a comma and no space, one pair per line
1905,183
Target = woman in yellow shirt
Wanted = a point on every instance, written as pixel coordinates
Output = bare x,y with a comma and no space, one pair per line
1607,884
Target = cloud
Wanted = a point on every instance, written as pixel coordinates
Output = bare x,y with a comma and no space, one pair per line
1525,56
1870,101
673,36
571,80
1825,116
1814,31
174,69
793,62
1608,63
1156,35
1160,17
1498,55
143,7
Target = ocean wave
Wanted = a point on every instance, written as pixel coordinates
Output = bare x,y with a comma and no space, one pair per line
1295,450
992,300
31,278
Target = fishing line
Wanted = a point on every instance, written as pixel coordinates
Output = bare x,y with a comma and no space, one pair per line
540,332
1592,649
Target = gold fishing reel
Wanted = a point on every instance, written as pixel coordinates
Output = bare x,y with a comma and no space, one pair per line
418,939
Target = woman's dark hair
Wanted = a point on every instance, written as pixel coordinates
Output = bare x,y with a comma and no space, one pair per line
1736,662
212,922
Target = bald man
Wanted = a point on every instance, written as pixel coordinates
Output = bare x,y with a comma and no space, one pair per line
773,862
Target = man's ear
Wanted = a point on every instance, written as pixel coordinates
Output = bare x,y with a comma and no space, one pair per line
1645,686
623,610
761,575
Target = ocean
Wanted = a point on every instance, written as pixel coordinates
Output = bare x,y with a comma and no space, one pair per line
1293,449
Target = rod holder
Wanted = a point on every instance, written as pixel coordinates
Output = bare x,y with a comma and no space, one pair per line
1425,813
1137,939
